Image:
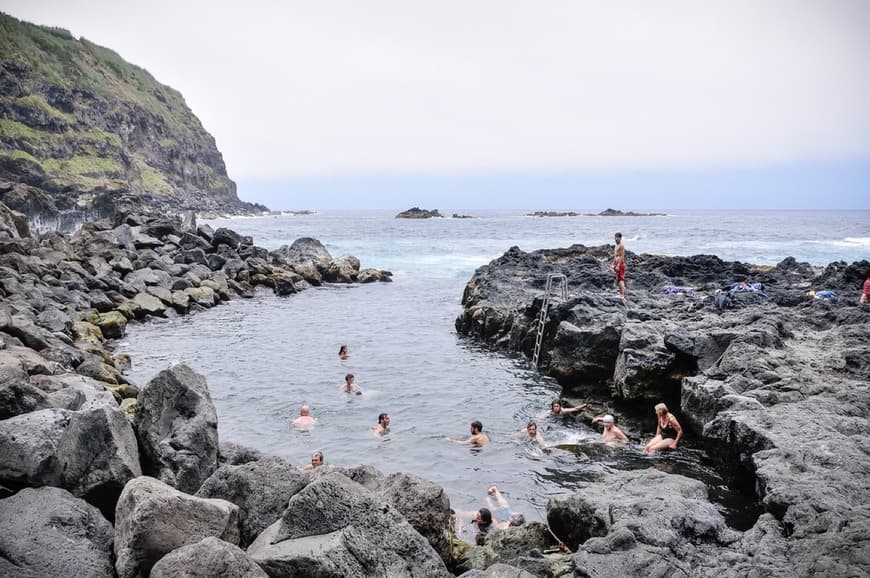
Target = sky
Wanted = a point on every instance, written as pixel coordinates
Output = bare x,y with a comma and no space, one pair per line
512,104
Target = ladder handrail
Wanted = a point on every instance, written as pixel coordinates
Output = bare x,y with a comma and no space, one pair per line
545,306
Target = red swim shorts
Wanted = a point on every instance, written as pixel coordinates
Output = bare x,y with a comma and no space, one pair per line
620,271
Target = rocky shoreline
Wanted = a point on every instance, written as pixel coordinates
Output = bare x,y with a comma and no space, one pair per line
774,383
131,479
143,485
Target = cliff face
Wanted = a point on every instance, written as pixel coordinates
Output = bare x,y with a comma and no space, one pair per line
81,130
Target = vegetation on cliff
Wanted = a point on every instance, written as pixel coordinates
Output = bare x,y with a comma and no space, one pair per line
76,118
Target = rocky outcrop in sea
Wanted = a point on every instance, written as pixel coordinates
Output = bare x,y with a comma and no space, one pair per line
418,213
772,379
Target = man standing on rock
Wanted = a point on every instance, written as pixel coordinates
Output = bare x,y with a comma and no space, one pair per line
619,264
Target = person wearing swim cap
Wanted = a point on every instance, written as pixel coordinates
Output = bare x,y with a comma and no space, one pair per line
611,433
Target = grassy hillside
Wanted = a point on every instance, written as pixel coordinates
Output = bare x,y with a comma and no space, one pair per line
76,117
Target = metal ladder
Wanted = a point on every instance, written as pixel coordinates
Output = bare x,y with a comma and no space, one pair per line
554,281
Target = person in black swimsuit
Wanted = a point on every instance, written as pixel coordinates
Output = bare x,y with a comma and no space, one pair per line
668,432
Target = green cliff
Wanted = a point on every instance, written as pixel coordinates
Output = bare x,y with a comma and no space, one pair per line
80,129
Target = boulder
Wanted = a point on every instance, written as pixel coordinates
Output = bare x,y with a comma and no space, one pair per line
18,397
112,324
228,237
91,453
147,304
260,488
335,527
343,269
206,558
176,424
153,519
236,455
305,249
638,517
49,532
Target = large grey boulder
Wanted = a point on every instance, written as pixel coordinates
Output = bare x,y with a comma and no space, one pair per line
176,424
423,503
153,519
260,488
636,519
207,558
49,532
18,397
335,527
91,453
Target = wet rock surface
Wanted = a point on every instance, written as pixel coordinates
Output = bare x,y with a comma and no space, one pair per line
774,381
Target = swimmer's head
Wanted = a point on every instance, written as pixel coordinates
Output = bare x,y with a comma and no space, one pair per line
317,458
476,426
556,406
384,419
304,410
349,377
532,428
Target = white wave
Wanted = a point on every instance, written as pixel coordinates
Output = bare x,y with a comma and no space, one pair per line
456,260
853,242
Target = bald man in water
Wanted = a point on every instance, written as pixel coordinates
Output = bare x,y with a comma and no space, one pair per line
304,419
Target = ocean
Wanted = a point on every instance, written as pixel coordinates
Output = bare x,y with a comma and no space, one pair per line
264,357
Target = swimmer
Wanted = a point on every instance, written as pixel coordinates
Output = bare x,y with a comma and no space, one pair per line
349,386
316,461
556,408
611,433
383,426
668,431
343,352
477,439
304,420
530,432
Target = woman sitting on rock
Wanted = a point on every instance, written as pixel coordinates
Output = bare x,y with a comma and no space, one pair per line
668,432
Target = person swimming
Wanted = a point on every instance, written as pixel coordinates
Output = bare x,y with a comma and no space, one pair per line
343,352
383,426
530,432
477,438
316,461
611,433
304,420
349,386
557,409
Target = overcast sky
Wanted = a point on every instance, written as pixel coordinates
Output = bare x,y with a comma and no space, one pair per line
323,98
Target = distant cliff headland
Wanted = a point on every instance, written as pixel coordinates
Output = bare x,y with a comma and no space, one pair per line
82,131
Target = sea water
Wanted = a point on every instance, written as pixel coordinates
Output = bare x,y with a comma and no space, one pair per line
265,357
